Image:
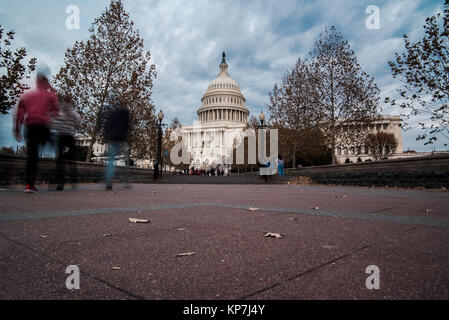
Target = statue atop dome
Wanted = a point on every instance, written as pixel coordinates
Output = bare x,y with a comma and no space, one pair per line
223,65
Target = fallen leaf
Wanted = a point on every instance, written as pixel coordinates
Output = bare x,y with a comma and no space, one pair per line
185,254
181,229
315,208
274,235
253,209
135,220
42,236
428,210
115,268
106,235
293,218
329,247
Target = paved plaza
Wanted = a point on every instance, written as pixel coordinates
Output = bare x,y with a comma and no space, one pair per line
330,236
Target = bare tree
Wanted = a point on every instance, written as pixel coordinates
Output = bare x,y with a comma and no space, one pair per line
345,96
381,144
293,107
13,71
112,61
423,70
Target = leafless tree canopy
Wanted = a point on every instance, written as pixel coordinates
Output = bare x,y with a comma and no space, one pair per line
112,61
329,92
12,71
381,144
423,70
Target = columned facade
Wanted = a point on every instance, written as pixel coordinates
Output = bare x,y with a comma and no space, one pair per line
221,117
389,124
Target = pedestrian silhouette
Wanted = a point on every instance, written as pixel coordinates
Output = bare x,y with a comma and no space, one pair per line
35,110
65,125
116,132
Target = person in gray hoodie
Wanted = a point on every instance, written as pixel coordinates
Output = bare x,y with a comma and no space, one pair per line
65,125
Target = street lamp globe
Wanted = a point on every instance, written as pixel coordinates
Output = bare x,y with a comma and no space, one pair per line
160,115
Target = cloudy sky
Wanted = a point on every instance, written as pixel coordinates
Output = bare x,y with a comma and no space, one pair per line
262,40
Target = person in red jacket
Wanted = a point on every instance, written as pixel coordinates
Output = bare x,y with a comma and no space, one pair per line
35,111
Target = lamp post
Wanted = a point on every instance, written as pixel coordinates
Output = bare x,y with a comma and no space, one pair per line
262,126
158,163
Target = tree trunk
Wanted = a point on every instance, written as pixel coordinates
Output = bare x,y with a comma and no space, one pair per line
334,158
89,149
294,156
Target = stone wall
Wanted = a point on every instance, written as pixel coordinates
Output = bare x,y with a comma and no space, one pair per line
427,172
12,171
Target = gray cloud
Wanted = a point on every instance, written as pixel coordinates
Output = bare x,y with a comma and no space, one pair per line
262,39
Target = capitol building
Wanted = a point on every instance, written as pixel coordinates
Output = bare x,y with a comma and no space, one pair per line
222,118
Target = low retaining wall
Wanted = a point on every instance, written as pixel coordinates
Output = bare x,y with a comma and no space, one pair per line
427,172
233,179
12,171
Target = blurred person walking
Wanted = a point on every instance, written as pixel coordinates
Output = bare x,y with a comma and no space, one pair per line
281,165
35,110
116,131
65,125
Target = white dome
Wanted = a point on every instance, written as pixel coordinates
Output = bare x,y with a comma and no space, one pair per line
223,100
223,82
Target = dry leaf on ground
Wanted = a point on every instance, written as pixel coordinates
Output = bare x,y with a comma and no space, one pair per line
274,235
301,180
135,220
185,254
253,209
329,247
